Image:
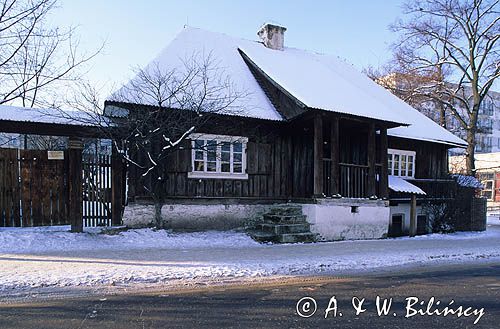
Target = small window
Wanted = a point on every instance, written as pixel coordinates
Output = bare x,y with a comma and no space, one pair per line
487,191
422,224
217,156
396,228
401,163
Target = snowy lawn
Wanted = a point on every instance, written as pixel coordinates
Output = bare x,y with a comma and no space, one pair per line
52,257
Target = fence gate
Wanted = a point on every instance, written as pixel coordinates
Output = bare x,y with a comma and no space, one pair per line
33,189
97,194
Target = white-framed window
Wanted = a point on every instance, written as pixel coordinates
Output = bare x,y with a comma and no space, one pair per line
218,156
401,163
488,181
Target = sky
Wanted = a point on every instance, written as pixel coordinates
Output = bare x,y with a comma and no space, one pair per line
134,32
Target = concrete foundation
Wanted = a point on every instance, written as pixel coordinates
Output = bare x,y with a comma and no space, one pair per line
330,219
348,219
404,209
196,217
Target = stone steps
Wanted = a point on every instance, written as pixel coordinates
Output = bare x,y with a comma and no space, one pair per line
284,224
285,219
284,228
297,237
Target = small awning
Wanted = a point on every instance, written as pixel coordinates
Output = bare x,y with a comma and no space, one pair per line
398,184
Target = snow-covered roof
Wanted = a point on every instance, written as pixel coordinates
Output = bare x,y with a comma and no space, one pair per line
424,129
46,115
316,80
468,181
223,50
398,184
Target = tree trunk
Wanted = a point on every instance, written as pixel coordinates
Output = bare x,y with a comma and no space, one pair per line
158,218
470,152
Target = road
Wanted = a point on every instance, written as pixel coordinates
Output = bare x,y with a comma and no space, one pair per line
274,305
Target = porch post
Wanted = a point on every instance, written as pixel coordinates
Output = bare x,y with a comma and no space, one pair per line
117,188
370,188
413,215
383,179
318,157
334,149
75,184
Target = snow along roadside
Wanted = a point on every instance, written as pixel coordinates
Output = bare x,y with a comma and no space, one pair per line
35,258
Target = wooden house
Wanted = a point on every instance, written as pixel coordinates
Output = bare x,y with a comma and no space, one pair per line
313,133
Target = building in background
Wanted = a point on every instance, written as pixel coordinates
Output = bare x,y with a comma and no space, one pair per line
488,135
487,171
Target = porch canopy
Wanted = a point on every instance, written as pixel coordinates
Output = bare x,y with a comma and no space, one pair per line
51,122
398,184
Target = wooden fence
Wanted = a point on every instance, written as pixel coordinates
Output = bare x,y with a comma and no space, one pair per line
33,189
97,191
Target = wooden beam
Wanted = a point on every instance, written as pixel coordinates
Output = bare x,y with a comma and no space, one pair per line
117,188
318,156
383,179
371,161
335,151
413,215
75,184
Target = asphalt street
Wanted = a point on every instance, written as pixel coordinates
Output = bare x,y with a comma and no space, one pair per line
476,288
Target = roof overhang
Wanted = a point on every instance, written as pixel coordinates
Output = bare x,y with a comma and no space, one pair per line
398,184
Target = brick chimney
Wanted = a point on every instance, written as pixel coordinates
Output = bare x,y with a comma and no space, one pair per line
272,35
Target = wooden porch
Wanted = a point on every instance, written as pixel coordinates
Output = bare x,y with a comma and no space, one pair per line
350,158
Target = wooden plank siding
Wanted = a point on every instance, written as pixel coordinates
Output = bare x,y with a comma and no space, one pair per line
280,162
431,159
267,168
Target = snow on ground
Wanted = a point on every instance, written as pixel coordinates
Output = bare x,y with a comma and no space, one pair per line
32,258
58,238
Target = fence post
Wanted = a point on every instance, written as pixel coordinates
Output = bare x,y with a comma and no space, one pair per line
75,184
117,173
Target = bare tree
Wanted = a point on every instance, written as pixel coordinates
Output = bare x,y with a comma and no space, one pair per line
455,44
33,55
153,115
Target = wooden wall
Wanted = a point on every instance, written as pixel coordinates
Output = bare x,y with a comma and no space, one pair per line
431,158
279,166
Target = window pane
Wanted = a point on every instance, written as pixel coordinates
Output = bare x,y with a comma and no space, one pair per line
198,166
225,147
225,156
410,169
225,167
198,155
237,157
396,164
403,165
211,166
211,150
237,168
198,144
237,147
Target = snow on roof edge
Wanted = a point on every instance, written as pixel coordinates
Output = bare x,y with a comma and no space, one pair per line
464,145
398,184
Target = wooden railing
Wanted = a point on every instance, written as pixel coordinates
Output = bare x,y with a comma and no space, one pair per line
353,180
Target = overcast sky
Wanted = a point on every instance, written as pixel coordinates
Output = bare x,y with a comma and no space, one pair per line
136,31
